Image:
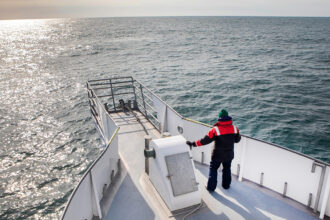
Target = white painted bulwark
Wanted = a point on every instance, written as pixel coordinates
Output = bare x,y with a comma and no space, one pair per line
172,172
84,202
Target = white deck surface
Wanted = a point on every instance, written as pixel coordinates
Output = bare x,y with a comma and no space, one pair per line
136,199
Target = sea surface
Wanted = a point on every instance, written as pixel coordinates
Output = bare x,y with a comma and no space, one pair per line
271,73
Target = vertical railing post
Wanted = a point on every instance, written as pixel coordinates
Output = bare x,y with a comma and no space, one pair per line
113,97
164,124
134,90
285,189
144,103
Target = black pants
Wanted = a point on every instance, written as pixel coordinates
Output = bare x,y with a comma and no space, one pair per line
213,175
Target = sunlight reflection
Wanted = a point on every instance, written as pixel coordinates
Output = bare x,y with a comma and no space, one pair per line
23,24
18,31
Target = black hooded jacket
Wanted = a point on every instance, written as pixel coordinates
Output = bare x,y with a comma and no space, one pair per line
225,134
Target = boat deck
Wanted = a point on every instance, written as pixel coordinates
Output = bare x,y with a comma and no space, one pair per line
135,198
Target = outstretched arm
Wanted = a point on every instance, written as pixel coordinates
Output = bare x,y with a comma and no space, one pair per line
205,140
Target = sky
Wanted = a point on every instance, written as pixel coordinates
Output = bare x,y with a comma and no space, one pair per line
28,9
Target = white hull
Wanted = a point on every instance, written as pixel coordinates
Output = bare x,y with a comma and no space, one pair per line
275,176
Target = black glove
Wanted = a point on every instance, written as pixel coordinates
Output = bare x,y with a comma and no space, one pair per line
191,144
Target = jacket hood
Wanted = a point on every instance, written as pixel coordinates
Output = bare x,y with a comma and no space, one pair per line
224,121
226,118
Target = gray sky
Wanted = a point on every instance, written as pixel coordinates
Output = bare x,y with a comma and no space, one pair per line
18,9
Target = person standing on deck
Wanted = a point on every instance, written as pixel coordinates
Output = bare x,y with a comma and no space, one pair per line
225,134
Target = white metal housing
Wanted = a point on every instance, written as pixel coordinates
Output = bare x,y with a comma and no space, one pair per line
160,176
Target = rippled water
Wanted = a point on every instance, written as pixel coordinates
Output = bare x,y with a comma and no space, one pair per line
272,74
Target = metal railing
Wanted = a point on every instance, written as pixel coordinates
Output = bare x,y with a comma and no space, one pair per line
114,93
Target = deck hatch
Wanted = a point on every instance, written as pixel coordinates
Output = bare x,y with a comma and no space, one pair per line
181,173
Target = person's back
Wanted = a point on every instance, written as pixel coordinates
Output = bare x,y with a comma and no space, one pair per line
225,134
224,143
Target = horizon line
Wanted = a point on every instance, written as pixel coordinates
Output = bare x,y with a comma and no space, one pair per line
167,16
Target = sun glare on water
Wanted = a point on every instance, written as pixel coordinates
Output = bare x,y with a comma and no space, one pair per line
22,24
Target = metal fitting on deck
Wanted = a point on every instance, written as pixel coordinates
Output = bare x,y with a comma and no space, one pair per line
166,134
149,153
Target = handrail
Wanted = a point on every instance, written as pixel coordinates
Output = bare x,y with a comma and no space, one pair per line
114,78
102,106
146,103
131,84
197,122
150,114
102,84
144,94
159,99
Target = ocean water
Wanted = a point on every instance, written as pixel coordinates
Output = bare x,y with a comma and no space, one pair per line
271,73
